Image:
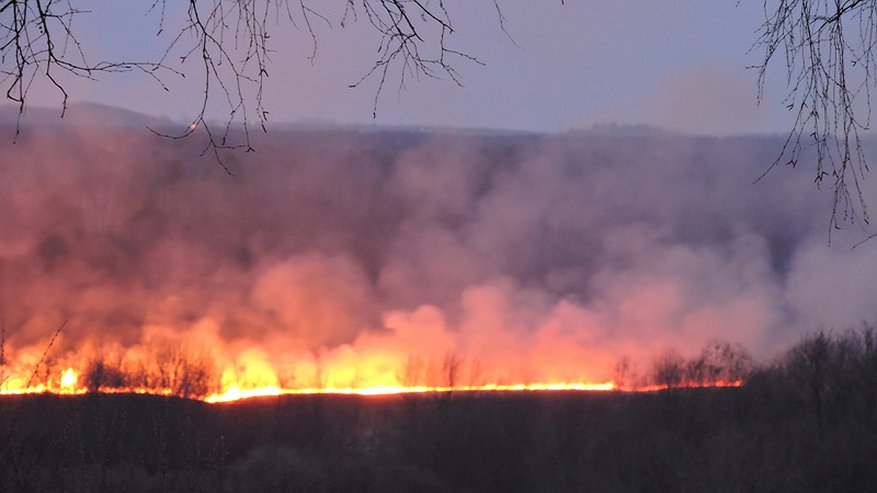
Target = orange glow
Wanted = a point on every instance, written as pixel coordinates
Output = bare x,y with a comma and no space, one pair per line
235,394
417,358
69,379
243,383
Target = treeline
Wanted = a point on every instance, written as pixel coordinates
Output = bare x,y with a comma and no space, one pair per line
177,370
719,363
806,421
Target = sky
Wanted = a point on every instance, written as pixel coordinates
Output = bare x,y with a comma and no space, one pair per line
678,65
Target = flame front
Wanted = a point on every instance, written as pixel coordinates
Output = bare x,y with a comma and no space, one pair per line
250,377
249,374
234,394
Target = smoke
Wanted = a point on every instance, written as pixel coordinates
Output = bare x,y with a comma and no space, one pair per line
337,257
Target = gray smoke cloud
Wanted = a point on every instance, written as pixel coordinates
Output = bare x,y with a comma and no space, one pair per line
541,257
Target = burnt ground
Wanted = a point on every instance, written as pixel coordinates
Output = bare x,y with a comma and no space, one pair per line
767,436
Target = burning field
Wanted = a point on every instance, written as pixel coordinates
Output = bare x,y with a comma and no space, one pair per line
378,261
428,280
807,422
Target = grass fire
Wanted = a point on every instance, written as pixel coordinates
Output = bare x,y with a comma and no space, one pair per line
366,309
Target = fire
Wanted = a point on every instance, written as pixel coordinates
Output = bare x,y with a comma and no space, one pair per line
65,383
251,376
235,394
198,364
69,379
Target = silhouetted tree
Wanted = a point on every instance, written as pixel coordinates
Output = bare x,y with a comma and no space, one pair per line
806,364
103,374
719,361
668,369
180,369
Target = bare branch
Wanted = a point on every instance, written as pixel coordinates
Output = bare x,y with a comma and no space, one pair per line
230,41
828,51
36,40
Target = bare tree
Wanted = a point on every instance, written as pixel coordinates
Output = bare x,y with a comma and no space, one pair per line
828,51
184,370
807,364
719,361
231,42
103,374
668,369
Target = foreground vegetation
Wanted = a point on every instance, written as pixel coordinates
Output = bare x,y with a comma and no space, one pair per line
806,422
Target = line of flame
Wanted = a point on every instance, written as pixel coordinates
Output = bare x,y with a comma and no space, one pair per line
234,393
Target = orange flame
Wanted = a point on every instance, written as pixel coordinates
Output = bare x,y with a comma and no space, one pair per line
68,383
169,363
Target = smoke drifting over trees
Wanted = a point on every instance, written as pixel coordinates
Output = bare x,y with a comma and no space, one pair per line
528,257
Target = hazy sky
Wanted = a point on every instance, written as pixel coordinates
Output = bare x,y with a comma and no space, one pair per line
679,65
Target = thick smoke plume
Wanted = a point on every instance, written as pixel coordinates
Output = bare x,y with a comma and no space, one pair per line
344,257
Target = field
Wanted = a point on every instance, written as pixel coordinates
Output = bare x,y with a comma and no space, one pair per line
769,435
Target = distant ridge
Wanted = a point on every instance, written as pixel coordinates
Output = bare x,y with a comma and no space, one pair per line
102,115
87,114
96,114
